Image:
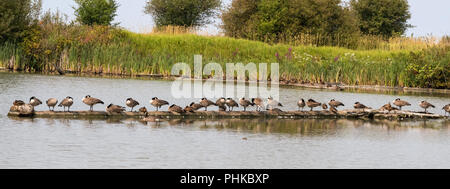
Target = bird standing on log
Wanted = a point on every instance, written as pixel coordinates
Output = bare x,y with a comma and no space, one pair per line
301,104
157,103
312,104
400,103
90,101
52,102
67,102
425,105
131,103
35,101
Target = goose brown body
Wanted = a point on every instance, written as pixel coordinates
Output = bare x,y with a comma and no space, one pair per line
51,103
90,101
158,103
18,103
231,104
67,102
206,103
259,103
335,103
35,101
131,103
446,109
358,105
301,104
425,105
195,106
312,104
245,103
176,109
115,109
400,103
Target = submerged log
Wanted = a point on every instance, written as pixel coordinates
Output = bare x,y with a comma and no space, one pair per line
345,114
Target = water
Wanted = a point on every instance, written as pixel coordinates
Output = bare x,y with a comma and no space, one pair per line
61,143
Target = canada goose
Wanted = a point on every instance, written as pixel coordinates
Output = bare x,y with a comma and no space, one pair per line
273,103
158,103
301,104
425,105
400,103
205,103
18,103
335,103
35,101
52,102
131,103
388,107
67,102
115,109
189,109
195,106
176,109
143,110
90,101
324,106
333,109
245,103
221,103
231,104
312,104
446,109
259,103
358,105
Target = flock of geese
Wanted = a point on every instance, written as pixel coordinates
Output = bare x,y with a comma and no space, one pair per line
224,104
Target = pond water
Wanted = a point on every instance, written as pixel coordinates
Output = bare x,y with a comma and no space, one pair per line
259,143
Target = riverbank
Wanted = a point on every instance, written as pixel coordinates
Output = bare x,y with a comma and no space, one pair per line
100,50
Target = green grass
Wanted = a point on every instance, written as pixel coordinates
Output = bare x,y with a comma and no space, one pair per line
131,53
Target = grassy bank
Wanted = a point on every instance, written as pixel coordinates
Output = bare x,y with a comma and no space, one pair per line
104,50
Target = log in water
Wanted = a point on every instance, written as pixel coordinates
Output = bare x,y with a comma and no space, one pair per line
345,114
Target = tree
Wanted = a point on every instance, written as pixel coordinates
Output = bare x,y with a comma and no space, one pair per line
96,12
382,17
16,17
188,13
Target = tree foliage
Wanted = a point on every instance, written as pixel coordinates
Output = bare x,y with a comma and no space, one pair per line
260,19
96,12
189,13
16,17
382,17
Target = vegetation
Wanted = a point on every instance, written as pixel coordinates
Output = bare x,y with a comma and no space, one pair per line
382,17
96,12
189,13
16,17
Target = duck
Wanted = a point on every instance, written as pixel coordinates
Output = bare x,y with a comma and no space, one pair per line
446,109
259,103
324,106
176,109
273,103
301,104
312,104
35,101
115,109
359,106
231,104
90,101
206,103
158,103
335,103
221,103
400,103
245,103
18,103
67,102
189,109
52,102
195,106
130,102
425,105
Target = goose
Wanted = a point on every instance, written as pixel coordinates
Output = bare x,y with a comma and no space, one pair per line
67,102
132,103
158,103
324,106
333,109
388,107
446,109
176,109
143,110
425,105
52,102
18,103
400,103
301,104
359,106
189,109
35,101
335,103
273,103
259,103
115,109
312,104
231,104
195,106
245,103
221,103
205,103
90,101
